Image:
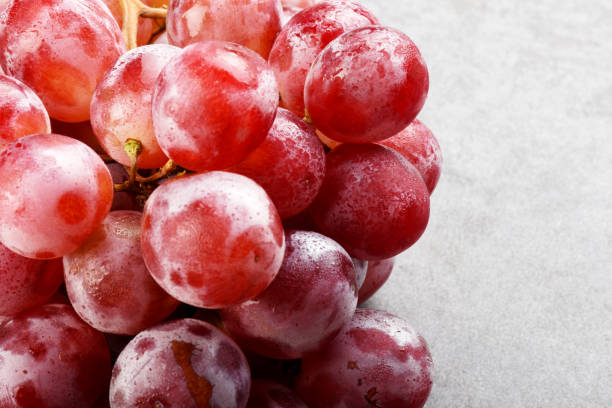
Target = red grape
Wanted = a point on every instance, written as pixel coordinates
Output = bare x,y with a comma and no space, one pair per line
80,131
22,112
361,268
366,85
289,164
50,358
108,282
212,240
377,274
213,104
183,363
26,282
304,37
270,394
252,23
373,201
54,192
313,296
378,360
121,104
145,25
60,49
419,146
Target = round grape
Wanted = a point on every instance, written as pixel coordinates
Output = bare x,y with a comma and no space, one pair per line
313,296
212,240
366,85
373,201
378,360
60,49
184,363
213,104
54,192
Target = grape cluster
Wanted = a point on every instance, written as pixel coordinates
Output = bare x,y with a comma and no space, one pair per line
195,195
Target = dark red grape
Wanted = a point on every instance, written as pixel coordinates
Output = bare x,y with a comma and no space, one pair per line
373,201
313,296
378,360
270,394
377,274
366,85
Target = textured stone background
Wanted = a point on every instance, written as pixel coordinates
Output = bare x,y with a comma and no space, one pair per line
511,284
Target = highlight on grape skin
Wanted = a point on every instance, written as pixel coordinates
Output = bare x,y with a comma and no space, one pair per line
251,23
289,164
373,202
60,49
22,111
313,296
304,37
213,104
26,282
54,192
121,104
52,358
183,363
366,85
378,359
108,282
212,240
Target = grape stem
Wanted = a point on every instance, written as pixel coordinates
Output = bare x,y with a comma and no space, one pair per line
132,10
161,173
133,148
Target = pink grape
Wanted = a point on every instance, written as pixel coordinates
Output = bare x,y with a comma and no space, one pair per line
54,192
212,240
22,112
51,358
378,360
162,39
270,394
26,282
419,146
145,25
289,164
213,104
373,201
60,49
377,274
304,37
183,363
251,23
121,104
366,85
80,131
313,296
107,280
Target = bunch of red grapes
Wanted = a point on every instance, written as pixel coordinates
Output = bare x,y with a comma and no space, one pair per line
196,195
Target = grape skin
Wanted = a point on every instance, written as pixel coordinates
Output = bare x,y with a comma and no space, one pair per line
251,23
377,360
60,49
108,283
51,358
303,38
184,363
54,192
121,104
270,394
373,202
22,112
377,274
213,104
80,131
419,146
26,282
289,164
313,296
212,240
366,85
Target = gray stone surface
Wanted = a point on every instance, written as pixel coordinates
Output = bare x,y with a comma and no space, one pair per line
511,284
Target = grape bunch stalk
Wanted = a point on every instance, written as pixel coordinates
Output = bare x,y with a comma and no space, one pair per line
197,195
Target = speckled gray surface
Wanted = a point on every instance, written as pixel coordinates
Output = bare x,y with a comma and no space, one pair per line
512,282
